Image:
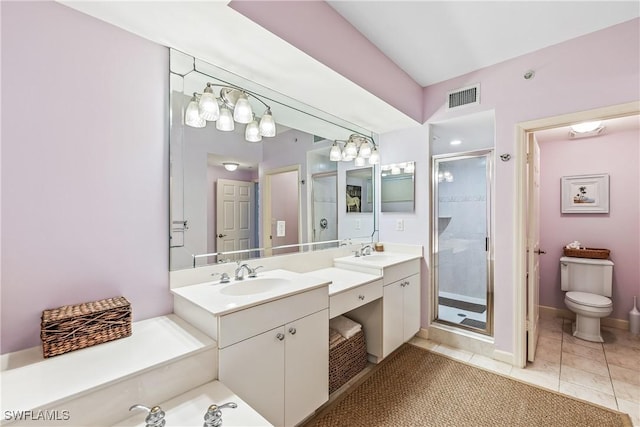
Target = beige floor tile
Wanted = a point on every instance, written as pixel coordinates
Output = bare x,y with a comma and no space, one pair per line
631,408
549,349
568,338
490,364
588,394
455,353
631,376
596,354
626,391
557,335
584,363
586,379
554,324
621,357
421,342
547,380
620,337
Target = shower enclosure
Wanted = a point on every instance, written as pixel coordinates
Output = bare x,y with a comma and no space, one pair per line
461,247
325,207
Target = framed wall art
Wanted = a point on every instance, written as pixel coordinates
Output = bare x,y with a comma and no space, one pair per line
585,193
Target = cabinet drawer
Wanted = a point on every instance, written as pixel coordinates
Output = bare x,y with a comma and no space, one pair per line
353,298
244,324
400,271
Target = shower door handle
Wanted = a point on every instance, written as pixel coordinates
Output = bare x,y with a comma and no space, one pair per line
486,244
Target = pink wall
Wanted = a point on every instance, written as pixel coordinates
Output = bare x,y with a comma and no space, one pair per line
84,167
318,30
618,231
284,207
567,80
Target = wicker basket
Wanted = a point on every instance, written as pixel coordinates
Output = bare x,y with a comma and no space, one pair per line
594,253
347,357
73,327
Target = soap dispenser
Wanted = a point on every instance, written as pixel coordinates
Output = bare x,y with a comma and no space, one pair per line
213,417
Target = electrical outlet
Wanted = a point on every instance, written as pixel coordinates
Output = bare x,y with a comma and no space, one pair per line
399,225
358,225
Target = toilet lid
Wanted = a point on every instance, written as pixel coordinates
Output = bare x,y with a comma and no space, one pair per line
591,300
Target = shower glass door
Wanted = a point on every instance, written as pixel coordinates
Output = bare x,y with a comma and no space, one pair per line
325,207
461,244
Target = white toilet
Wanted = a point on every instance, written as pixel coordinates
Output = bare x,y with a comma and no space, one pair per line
588,285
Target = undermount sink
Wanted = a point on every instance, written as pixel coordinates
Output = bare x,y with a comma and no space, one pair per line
254,286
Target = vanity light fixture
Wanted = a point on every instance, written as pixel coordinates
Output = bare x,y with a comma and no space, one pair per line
230,107
359,148
586,129
230,166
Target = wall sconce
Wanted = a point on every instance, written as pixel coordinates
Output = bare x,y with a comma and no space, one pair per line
230,166
359,148
230,107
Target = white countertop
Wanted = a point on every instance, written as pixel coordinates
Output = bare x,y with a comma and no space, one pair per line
188,409
214,298
42,382
376,259
343,279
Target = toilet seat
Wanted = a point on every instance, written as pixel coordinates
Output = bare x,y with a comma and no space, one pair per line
589,300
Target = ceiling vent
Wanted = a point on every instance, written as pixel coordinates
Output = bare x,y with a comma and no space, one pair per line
469,95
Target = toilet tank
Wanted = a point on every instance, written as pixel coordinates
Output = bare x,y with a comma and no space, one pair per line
586,275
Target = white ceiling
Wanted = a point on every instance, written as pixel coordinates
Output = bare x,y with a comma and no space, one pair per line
431,40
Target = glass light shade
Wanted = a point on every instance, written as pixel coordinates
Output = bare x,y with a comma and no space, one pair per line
359,161
455,142
374,158
192,115
350,149
208,105
242,112
346,157
586,127
267,124
335,155
225,121
230,166
365,150
252,132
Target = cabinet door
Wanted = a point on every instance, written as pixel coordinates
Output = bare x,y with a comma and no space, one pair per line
411,306
392,317
306,363
254,370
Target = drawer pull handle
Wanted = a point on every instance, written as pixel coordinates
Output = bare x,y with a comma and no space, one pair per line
361,297
292,331
280,336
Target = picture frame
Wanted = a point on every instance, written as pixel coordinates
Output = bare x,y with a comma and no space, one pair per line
354,198
585,193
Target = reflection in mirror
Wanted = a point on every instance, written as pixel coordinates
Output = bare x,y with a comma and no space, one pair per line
397,187
282,191
359,191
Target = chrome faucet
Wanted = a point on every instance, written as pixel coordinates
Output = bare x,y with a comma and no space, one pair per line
155,415
240,271
365,250
213,417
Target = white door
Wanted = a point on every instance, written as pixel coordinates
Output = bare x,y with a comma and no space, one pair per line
306,384
533,245
254,370
411,306
234,215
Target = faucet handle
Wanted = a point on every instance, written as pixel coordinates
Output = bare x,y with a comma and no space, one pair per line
253,272
155,415
224,277
213,416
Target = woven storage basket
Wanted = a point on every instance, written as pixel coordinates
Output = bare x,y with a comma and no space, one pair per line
73,327
347,357
594,253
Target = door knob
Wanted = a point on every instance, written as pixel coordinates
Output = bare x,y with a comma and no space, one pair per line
221,235
540,252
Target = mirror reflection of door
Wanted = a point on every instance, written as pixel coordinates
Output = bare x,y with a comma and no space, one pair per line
325,206
235,221
282,209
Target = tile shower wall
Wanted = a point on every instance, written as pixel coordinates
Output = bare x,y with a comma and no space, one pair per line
462,260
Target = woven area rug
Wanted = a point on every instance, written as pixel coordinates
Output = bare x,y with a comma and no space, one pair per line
415,387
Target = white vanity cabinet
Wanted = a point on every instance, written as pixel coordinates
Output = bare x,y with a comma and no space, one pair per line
401,312
276,356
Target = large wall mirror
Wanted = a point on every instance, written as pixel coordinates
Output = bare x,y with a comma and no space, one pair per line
232,198
397,187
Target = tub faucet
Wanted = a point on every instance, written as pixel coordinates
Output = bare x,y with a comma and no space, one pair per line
155,415
213,417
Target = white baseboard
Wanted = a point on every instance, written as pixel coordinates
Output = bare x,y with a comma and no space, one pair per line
552,312
504,356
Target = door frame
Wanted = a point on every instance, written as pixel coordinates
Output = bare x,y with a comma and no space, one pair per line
267,243
523,129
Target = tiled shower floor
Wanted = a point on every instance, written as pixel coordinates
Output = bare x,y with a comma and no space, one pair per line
607,374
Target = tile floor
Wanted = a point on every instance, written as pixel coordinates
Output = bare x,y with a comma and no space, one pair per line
607,374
